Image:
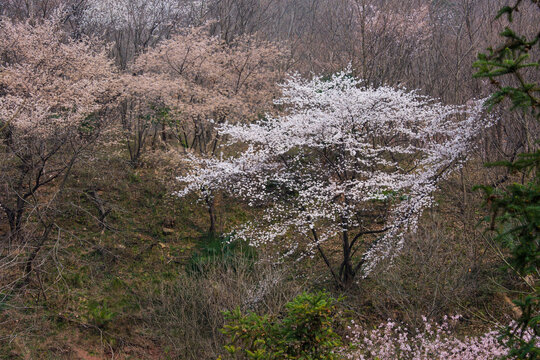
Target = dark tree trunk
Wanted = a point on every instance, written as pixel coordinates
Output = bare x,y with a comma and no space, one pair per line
14,217
30,261
212,213
346,272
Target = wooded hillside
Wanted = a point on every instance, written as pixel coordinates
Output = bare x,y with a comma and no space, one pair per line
269,179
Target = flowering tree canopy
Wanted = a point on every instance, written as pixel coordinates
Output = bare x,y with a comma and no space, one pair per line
191,81
49,81
149,15
202,77
53,91
347,161
134,26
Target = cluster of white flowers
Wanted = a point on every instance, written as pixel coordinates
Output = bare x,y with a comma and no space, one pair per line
121,14
343,150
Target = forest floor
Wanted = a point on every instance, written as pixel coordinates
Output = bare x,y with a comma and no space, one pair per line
93,296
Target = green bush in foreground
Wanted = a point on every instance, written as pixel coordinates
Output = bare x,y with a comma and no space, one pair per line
306,331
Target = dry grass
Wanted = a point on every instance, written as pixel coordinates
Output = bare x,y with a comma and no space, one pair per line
187,314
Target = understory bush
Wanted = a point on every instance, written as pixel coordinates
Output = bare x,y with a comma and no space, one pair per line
186,316
440,271
306,331
219,251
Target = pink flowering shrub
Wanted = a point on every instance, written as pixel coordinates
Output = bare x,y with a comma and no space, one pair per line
393,341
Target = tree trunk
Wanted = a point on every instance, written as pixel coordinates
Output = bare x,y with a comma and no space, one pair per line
212,213
346,272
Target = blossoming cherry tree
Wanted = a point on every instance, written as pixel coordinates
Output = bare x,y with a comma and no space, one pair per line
346,170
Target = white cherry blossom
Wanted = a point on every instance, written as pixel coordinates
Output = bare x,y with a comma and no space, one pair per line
348,167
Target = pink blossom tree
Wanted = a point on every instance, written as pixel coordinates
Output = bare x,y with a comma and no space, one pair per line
186,85
53,94
201,78
344,173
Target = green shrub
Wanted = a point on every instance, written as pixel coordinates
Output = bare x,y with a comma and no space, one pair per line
306,331
218,251
99,314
